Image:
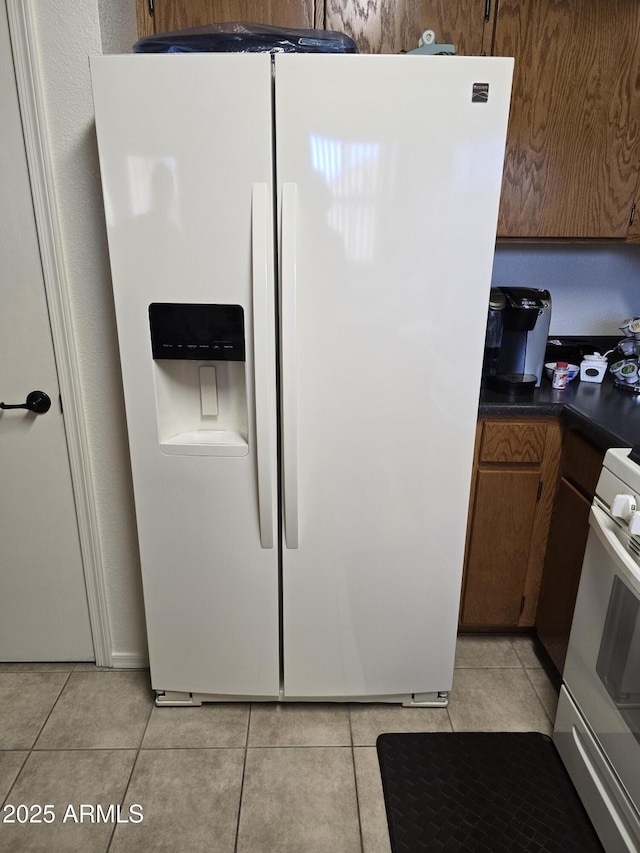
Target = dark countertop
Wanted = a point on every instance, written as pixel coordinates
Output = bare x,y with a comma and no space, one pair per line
608,416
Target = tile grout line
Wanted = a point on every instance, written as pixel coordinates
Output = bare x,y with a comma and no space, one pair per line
355,780
529,679
131,772
524,669
35,740
62,689
17,775
449,717
548,715
244,768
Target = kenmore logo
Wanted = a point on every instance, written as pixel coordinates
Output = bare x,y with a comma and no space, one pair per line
480,93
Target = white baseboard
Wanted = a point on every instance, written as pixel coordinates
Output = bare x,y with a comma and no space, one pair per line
127,660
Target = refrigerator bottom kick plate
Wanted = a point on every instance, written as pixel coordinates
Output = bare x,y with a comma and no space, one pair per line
176,699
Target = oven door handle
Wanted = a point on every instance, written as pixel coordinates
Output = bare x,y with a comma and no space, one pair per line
618,813
607,532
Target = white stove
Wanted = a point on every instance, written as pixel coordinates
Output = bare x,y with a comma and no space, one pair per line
597,729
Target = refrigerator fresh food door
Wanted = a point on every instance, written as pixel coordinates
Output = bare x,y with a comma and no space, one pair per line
388,171
186,159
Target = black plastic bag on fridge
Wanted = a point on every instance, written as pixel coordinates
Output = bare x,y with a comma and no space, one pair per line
240,37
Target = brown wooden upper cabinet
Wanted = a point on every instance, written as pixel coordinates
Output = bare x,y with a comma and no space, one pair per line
377,26
390,26
163,16
573,145
571,166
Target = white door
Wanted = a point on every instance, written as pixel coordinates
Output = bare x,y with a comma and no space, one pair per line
389,177
43,603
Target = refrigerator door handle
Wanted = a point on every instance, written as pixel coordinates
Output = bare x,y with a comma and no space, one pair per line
289,364
262,360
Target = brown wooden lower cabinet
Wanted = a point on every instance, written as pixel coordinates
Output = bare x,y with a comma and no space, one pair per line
514,479
579,471
563,564
505,504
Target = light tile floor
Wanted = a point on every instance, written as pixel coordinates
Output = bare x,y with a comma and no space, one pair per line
249,778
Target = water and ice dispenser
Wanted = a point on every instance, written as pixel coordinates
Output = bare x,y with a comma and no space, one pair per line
200,382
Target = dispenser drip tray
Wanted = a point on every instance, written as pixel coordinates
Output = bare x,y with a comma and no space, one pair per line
513,384
206,442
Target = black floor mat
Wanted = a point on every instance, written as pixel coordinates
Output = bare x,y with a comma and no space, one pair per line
482,792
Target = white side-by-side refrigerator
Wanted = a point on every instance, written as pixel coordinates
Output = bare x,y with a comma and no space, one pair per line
301,251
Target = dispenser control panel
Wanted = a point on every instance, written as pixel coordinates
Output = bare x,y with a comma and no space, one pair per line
195,331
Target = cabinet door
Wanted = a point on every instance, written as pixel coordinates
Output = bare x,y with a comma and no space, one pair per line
562,568
581,463
170,15
387,26
505,505
571,164
633,235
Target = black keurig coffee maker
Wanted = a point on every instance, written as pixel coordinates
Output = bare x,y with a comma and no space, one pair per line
517,331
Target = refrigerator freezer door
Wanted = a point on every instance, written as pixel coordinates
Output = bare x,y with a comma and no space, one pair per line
186,159
397,170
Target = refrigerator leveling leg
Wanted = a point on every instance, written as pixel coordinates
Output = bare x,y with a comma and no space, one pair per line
428,700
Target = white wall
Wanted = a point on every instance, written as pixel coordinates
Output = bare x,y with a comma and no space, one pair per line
68,31
118,25
592,288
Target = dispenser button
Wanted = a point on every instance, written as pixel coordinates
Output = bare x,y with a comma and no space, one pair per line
208,391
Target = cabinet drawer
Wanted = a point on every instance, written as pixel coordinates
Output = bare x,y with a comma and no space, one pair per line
509,441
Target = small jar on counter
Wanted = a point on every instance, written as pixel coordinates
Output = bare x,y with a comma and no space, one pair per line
560,375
